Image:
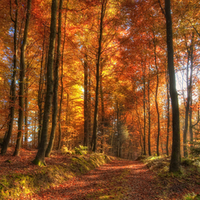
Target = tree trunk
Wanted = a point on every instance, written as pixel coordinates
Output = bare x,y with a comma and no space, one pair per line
102,111
21,83
175,157
190,87
94,137
56,81
26,111
168,119
149,114
185,152
40,157
156,96
144,107
41,92
13,84
86,136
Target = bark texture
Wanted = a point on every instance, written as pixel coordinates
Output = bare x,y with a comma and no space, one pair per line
40,157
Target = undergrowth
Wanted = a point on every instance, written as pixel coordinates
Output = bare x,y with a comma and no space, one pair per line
16,186
189,174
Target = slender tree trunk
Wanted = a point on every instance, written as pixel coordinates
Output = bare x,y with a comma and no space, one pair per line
26,110
102,111
13,84
94,137
168,119
156,96
89,105
149,114
62,88
186,110
118,132
175,157
86,136
144,107
190,87
41,92
56,81
21,83
40,157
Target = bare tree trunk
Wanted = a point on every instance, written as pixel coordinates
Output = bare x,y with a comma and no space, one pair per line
13,84
40,157
21,83
62,88
94,137
26,110
168,119
102,112
149,114
156,97
175,157
186,109
41,92
190,87
56,81
144,107
86,136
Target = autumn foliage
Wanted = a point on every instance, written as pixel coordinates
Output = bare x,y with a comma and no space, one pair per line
111,67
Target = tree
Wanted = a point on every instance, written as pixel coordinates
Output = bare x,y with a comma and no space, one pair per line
40,157
94,136
13,83
175,157
56,81
22,81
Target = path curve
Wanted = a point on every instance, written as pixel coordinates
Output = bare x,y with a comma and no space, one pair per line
118,180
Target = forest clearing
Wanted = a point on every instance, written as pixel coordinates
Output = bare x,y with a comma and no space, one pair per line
98,94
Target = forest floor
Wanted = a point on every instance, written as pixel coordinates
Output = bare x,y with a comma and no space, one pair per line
71,177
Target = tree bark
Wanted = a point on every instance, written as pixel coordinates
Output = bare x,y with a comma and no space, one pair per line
13,84
21,83
168,118
86,136
26,111
156,96
62,88
175,157
185,152
56,81
40,157
41,91
102,111
144,107
94,137
149,115
190,87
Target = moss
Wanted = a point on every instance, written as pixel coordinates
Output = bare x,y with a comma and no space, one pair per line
39,162
16,186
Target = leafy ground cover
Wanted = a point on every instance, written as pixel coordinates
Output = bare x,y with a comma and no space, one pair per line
183,185
84,176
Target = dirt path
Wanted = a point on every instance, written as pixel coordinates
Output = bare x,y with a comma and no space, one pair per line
116,180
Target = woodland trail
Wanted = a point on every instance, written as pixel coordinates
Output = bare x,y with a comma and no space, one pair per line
118,180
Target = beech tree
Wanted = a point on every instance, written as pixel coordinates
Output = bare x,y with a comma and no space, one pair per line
175,157
39,159
13,82
22,81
